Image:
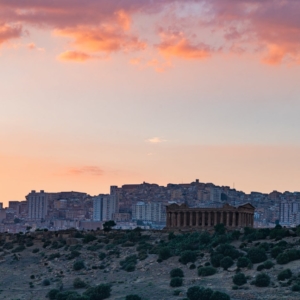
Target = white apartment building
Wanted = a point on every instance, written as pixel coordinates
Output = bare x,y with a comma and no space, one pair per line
37,205
104,206
150,211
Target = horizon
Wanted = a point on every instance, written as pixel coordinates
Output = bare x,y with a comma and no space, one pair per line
99,93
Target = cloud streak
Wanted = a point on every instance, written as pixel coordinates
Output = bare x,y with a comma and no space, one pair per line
86,170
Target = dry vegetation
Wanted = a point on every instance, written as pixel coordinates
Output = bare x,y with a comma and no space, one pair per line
144,265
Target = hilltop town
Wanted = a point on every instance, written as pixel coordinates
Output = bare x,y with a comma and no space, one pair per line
140,205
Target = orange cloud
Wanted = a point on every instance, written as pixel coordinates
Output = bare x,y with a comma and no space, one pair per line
74,56
105,39
176,44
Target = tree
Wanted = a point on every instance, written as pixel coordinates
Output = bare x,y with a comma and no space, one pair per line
257,255
188,256
219,296
239,279
99,292
176,273
78,265
108,225
226,262
197,292
207,271
220,228
285,274
262,280
176,282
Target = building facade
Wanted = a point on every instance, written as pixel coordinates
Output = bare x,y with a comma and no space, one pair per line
37,205
181,216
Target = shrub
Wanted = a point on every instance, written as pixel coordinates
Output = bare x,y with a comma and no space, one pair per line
283,259
164,253
176,282
243,262
215,259
35,250
296,288
268,264
99,292
78,283
228,250
19,249
239,279
219,296
192,267
188,256
46,282
197,292
176,273
226,262
52,294
276,251
260,267
262,280
257,255
89,238
133,297
54,255
129,263
78,265
73,254
32,277
102,255
220,228
207,271
66,295
285,274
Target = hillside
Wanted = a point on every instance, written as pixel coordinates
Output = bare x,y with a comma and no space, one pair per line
96,265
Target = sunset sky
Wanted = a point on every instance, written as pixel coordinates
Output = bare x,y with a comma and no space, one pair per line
97,93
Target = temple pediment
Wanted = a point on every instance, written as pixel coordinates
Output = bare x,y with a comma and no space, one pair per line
247,206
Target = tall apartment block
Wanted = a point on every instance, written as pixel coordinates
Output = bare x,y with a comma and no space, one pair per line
104,207
37,205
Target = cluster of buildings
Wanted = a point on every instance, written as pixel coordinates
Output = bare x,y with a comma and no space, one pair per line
143,205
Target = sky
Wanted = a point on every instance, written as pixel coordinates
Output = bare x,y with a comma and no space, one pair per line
96,93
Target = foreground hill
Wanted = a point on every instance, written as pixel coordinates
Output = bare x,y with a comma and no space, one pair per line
74,265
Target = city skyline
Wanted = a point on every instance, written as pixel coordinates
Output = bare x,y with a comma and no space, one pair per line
95,94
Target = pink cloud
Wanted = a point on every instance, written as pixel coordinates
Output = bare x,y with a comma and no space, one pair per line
8,32
87,170
74,56
272,26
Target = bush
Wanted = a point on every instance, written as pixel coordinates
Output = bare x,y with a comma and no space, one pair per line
239,279
257,255
176,273
296,288
192,267
215,259
164,253
133,297
52,294
99,292
220,228
226,262
78,283
268,264
207,271
285,274
18,249
187,256
102,255
219,296
262,280
228,250
283,259
243,262
88,238
276,251
78,265
260,267
197,292
35,250
73,254
46,282
129,263
176,282
54,255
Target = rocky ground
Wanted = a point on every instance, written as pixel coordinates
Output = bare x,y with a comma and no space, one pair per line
27,273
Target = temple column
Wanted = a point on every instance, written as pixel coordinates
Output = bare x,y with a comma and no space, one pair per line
169,220
172,219
227,219
239,219
191,218
209,219
203,219
233,219
197,218
178,220
221,217
184,218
